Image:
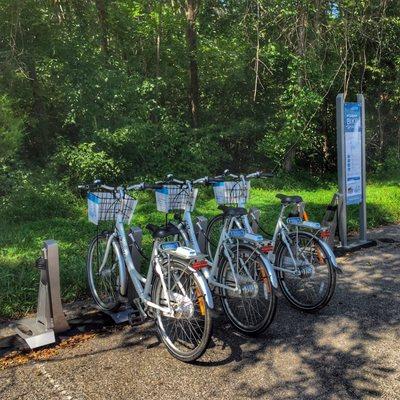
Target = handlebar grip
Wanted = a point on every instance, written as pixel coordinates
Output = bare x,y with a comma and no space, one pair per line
215,180
152,186
266,175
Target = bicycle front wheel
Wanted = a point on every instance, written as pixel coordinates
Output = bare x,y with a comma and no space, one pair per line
252,309
187,333
309,285
103,283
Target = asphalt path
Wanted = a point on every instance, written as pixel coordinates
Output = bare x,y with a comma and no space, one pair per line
350,350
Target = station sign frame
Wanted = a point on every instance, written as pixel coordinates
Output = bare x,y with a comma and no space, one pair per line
351,161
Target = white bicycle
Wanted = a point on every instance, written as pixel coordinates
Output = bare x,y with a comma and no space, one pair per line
305,265
173,292
239,273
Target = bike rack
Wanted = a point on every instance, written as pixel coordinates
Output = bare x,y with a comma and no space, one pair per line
50,319
330,219
200,230
254,218
123,315
333,221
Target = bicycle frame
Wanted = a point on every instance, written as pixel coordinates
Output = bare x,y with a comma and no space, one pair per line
187,232
282,231
142,285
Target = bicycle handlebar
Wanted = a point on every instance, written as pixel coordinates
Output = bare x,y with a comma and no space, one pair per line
144,186
220,178
257,174
171,180
138,186
95,185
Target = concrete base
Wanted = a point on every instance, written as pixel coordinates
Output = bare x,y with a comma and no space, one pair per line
34,333
120,316
354,246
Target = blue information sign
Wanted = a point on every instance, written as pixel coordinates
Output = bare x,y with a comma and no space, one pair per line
353,152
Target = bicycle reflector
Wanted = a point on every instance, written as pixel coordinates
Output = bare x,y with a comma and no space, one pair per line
200,264
267,248
325,234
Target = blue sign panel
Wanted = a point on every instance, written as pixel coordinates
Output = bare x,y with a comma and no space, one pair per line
352,134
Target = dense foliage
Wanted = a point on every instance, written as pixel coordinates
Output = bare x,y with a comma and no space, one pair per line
126,88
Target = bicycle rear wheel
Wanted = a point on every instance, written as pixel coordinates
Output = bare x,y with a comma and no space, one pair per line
103,284
252,310
188,333
310,287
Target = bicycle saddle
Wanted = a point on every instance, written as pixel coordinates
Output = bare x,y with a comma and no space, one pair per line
162,231
285,199
233,211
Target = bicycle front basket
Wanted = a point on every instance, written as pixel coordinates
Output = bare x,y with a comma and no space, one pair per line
174,197
104,206
231,192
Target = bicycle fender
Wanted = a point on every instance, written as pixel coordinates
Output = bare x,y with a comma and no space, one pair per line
331,256
204,287
270,269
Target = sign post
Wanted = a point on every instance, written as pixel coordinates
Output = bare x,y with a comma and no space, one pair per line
350,124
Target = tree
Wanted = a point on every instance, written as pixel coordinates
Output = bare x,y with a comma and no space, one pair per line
191,10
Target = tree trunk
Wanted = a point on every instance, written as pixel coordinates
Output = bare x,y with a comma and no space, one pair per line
191,11
40,132
102,16
301,38
301,52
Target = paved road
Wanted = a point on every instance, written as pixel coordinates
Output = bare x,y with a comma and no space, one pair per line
351,350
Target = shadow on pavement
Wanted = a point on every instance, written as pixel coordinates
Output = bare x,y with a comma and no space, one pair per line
334,354
365,305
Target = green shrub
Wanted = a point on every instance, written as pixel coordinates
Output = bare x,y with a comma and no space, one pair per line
391,165
32,200
145,149
84,163
11,130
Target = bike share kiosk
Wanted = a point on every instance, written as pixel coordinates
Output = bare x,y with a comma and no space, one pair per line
350,126
50,318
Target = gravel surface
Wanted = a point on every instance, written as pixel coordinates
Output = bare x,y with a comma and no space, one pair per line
350,350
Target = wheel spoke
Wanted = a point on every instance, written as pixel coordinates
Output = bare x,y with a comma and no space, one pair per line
306,290
250,310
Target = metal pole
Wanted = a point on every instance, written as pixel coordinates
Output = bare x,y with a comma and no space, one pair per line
363,206
199,230
255,218
341,161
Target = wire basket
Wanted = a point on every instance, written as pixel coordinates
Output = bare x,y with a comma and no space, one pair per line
231,192
104,206
174,198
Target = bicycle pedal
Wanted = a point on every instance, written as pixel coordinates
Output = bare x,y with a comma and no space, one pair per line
135,319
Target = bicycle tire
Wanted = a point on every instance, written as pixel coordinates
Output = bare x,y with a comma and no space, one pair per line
266,285
201,313
282,276
115,304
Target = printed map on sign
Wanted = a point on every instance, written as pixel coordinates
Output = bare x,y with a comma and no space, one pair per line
352,133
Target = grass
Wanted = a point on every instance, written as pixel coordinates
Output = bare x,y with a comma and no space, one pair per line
64,219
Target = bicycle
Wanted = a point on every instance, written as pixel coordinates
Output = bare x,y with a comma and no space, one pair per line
174,292
306,266
242,275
